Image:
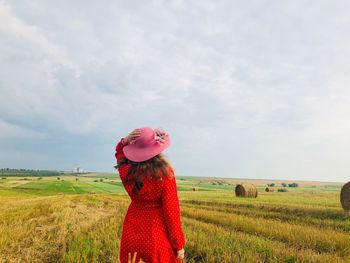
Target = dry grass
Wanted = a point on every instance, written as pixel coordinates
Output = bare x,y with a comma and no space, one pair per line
60,228
218,228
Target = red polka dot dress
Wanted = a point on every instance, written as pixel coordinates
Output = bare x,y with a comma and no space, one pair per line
152,226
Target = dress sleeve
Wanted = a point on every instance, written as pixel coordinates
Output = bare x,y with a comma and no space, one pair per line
171,211
123,170
119,154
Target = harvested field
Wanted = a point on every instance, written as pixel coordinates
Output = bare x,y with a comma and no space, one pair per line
71,225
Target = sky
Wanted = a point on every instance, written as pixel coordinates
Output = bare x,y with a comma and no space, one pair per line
246,89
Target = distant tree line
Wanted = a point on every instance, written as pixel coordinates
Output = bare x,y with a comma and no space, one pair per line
28,172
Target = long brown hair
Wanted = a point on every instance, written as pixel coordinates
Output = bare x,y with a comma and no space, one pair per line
152,168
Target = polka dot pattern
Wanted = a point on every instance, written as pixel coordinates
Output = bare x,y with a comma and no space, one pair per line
152,226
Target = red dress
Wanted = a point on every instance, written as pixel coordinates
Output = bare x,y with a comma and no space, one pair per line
152,226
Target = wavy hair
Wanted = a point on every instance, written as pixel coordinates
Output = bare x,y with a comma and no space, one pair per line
152,168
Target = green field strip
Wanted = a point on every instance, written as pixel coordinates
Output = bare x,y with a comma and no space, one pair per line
48,187
115,183
83,187
109,188
190,188
78,189
214,187
321,199
319,240
312,190
235,246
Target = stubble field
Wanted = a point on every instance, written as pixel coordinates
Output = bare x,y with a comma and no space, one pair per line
79,219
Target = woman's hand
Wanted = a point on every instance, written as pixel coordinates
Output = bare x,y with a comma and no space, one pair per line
133,259
131,138
181,254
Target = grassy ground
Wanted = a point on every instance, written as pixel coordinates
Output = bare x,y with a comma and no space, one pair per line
70,220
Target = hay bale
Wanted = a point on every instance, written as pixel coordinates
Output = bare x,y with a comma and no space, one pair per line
345,196
269,189
246,190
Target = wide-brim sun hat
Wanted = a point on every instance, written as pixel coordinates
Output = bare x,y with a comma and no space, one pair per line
150,143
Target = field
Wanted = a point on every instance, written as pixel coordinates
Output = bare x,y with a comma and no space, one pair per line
78,219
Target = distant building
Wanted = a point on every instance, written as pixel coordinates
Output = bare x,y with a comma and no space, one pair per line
78,170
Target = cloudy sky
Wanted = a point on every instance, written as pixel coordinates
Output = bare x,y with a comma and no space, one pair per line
247,89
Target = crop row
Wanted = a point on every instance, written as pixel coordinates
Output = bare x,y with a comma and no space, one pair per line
294,235
341,223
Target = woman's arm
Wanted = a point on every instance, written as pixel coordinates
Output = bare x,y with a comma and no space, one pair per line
171,211
119,154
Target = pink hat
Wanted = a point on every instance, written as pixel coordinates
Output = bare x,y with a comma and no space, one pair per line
150,143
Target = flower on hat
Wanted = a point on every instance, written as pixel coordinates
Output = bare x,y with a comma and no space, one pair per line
159,136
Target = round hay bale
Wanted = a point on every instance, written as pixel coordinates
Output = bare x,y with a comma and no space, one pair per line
269,189
345,196
246,190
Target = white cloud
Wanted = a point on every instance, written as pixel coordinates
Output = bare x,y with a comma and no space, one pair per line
8,130
255,80
13,27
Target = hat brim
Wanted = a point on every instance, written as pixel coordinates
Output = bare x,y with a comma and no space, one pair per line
137,154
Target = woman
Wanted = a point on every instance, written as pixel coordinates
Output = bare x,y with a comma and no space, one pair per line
152,226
